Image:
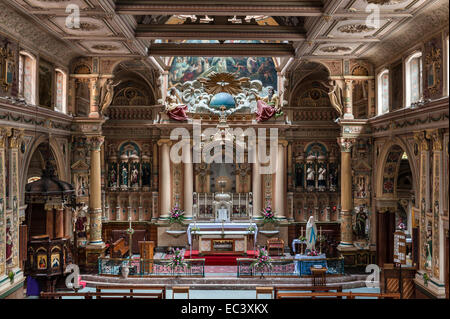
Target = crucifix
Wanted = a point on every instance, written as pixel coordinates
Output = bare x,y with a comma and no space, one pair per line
130,232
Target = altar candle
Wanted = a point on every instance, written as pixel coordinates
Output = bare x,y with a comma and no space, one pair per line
129,219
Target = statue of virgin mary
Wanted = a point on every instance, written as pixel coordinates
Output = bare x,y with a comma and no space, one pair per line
311,234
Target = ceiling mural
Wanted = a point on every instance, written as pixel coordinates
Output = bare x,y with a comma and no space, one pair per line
185,69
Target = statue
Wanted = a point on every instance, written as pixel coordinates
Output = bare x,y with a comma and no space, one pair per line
311,234
124,176
112,177
174,106
107,94
310,176
134,176
268,106
321,179
361,218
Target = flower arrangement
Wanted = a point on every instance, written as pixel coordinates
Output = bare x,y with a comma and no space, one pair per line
262,261
177,259
268,215
401,226
312,253
176,215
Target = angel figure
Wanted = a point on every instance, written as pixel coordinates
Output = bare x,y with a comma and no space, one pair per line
107,94
174,107
268,106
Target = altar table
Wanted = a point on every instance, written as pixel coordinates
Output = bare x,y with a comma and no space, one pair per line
303,263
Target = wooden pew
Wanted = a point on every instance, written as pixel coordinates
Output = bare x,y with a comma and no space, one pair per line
119,249
100,295
278,289
349,295
105,289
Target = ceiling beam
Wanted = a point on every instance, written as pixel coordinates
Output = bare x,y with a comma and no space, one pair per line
219,32
230,7
226,49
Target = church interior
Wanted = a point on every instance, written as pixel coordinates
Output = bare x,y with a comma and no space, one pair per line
189,148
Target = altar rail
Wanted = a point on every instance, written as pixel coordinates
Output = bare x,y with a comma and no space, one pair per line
150,267
287,267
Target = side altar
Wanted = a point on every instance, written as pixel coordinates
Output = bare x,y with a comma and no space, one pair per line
222,238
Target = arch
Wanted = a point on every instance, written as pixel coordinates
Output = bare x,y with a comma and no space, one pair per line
381,164
59,158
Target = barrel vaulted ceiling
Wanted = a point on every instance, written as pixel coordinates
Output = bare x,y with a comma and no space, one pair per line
286,28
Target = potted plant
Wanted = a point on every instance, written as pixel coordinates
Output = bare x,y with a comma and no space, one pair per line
262,261
176,217
425,278
251,229
11,275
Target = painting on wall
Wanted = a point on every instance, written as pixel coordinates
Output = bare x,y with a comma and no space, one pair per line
433,69
7,66
45,84
397,86
42,261
185,69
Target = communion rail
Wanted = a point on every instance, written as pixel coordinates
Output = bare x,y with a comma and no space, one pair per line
288,267
150,267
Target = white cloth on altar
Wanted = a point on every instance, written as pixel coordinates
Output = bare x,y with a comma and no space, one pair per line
241,229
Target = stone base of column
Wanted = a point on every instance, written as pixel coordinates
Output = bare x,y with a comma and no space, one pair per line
349,116
92,253
346,247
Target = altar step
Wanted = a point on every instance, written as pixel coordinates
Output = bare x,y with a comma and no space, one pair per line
225,283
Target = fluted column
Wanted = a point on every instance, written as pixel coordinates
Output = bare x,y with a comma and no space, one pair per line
256,184
348,99
164,179
346,193
188,182
280,181
95,191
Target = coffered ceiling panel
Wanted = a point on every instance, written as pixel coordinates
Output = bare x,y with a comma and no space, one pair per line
88,26
105,47
53,4
328,49
386,5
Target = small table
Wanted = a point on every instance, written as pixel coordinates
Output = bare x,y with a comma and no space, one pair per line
303,263
319,276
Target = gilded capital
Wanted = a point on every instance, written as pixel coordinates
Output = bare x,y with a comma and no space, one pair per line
421,139
5,132
95,142
16,138
165,141
346,144
435,137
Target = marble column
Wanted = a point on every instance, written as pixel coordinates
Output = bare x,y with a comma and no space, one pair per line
4,134
164,179
348,99
95,191
280,181
346,193
256,184
94,97
188,181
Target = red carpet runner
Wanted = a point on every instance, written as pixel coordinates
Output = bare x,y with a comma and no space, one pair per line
219,259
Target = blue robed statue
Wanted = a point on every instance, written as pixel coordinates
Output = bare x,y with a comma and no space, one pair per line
311,234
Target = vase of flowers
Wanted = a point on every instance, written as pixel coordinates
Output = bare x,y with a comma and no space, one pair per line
269,219
11,276
425,279
177,261
312,253
176,217
262,262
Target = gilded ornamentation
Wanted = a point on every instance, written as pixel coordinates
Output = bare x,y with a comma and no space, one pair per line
346,144
355,28
432,66
16,138
386,2
335,49
104,47
7,67
223,82
95,142
421,140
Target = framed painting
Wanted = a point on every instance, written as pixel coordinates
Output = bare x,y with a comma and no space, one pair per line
42,261
7,67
